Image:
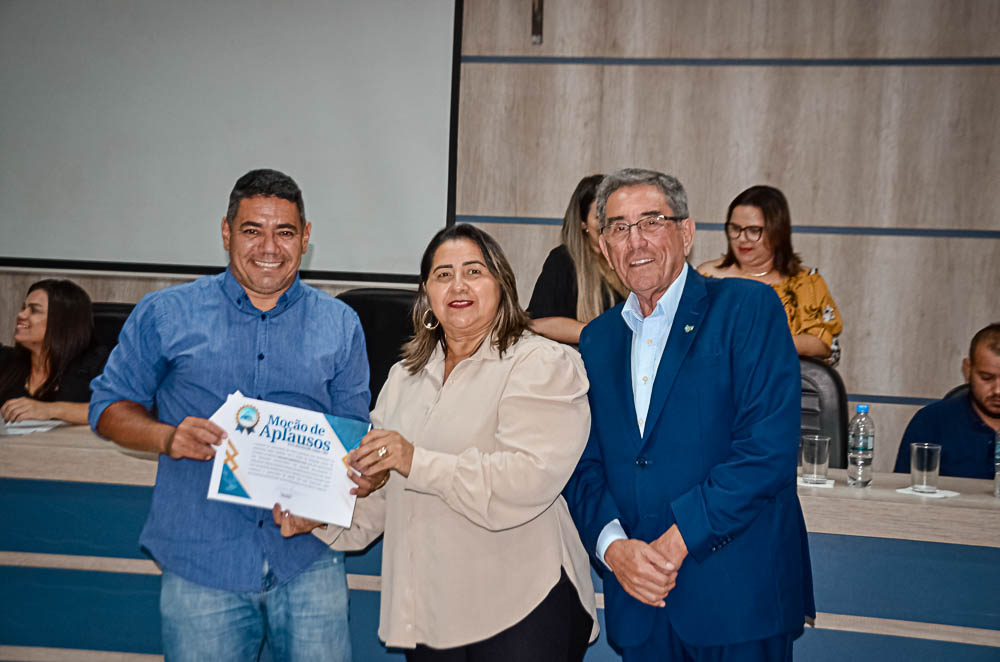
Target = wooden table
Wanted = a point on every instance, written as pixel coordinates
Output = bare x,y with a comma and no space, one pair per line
74,453
971,518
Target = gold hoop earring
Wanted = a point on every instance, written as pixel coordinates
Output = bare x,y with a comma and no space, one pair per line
428,325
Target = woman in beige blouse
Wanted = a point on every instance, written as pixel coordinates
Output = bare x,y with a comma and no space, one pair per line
482,422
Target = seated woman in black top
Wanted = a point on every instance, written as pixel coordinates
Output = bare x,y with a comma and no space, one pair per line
576,284
46,374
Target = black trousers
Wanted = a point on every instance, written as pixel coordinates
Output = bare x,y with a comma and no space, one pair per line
556,630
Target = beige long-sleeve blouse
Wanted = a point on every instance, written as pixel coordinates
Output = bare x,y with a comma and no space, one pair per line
476,536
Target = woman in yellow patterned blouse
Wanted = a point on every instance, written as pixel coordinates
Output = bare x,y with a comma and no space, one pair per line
759,228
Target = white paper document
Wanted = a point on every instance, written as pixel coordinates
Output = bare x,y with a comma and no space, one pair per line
279,454
27,427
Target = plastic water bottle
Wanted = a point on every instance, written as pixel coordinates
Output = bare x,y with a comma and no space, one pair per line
860,448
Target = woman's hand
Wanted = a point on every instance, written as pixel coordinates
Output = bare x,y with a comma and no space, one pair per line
367,484
26,409
292,525
381,450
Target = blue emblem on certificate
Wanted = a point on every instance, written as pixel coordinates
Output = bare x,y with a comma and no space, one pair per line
247,418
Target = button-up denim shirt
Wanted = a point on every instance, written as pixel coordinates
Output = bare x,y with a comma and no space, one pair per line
181,352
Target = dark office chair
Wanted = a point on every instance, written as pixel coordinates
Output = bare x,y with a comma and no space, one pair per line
109,318
824,407
385,319
961,389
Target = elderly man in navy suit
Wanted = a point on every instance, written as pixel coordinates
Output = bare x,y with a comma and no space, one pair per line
686,490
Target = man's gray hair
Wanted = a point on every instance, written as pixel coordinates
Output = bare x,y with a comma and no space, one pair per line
670,187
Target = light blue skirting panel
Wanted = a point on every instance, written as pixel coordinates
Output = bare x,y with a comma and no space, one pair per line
833,646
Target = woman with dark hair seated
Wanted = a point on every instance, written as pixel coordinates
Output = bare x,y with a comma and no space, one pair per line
576,284
759,231
46,374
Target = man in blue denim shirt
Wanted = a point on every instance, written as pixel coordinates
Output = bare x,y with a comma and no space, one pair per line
229,578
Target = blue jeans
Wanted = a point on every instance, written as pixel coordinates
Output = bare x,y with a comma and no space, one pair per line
305,619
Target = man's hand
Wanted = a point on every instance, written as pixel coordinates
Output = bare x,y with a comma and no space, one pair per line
26,409
671,546
195,438
643,572
292,525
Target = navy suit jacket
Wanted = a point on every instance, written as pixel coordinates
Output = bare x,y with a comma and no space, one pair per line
718,458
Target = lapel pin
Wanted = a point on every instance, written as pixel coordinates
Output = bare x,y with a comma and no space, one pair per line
688,328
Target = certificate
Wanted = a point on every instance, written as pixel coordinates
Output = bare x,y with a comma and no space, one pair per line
274,453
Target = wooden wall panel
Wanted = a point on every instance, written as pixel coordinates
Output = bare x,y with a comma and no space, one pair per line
857,146
908,145
854,145
890,423
736,28
526,137
910,305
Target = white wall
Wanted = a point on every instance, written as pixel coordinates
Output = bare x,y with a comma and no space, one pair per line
124,124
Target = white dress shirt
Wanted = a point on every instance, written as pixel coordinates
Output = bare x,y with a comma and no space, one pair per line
649,337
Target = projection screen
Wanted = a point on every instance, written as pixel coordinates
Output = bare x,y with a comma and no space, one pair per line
124,124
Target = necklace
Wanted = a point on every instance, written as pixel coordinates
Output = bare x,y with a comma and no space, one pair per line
763,273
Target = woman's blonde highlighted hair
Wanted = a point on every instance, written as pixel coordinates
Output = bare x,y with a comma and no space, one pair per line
596,281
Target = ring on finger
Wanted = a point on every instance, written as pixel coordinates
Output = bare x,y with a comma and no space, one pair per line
382,452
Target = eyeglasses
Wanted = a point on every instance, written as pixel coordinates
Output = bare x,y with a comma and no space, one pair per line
619,231
753,232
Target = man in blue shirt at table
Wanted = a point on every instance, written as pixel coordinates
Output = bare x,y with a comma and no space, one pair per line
230,580
686,490
965,424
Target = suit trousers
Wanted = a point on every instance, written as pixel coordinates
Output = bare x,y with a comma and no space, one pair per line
664,645
557,630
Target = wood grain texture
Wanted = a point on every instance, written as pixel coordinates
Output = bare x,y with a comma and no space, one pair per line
890,423
912,629
972,518
736,29
516,156
79,562
74,453
883,147
889,147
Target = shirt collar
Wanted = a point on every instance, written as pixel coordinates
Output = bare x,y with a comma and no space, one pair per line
238,295
486,351
665,307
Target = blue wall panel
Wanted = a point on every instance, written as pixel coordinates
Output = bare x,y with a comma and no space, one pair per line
88,519
907,580
80,609
835,646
